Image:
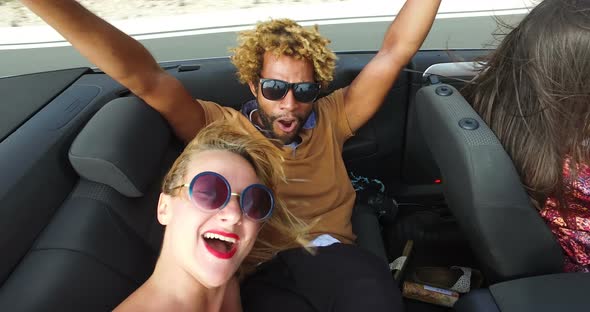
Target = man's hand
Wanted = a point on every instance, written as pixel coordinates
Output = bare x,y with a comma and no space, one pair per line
125,60
402,40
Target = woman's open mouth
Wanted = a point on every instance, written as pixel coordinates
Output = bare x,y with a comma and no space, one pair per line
221,244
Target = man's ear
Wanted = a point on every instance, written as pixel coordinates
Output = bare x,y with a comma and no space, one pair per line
164,209
253,88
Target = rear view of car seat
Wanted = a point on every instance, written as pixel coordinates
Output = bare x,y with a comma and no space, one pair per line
103,242
483,189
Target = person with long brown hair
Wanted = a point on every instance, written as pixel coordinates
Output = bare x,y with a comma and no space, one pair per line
534,93
216,198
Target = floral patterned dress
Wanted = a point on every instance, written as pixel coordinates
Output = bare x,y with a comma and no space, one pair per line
573,236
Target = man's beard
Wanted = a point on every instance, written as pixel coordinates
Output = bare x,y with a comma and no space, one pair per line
268,122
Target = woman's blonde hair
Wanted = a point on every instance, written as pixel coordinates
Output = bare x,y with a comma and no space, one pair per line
283,37
267,161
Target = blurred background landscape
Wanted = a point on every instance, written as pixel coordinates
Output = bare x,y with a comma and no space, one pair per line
13,14
192,29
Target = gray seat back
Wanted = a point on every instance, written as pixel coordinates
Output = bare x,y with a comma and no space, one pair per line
483,189
103,241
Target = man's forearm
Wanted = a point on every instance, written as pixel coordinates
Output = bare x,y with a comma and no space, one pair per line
409,29
402,40
110,49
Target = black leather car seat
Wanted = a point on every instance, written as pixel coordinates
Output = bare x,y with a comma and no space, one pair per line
104,240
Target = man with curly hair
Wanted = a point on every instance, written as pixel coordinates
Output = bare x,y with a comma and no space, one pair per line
286,66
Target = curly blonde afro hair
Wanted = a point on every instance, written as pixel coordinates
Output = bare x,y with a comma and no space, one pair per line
283,37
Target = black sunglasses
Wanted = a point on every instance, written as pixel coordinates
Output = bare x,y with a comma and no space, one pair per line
274,89
210,191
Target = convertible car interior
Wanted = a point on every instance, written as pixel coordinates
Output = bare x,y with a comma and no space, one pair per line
82,160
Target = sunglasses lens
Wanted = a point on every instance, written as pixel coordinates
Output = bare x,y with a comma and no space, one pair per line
273,89
257,202
209,191
306,92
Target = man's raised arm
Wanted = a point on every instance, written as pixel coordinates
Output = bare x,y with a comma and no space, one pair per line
402,40
125,60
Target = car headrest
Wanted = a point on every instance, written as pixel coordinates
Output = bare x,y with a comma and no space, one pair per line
121,146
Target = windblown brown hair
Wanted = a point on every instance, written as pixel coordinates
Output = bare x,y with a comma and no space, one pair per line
267,161
534,93
283,37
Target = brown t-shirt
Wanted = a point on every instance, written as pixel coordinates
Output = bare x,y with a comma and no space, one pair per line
318,183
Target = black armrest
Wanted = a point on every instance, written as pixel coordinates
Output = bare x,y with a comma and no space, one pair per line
556,292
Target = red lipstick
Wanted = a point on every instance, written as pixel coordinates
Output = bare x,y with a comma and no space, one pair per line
220,234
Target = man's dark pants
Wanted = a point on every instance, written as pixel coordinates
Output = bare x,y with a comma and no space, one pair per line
337,278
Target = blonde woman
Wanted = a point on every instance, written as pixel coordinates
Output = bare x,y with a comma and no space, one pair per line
217,196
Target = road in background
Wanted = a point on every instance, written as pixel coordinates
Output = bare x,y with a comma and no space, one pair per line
351,25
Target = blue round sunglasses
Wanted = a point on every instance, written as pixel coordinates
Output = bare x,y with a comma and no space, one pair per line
210,192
